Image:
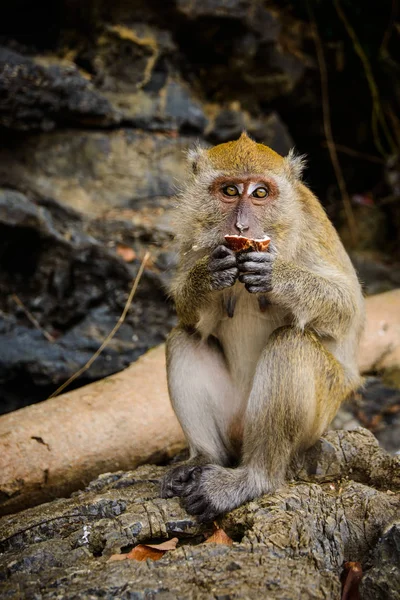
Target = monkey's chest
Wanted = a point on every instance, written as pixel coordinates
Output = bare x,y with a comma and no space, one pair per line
244,336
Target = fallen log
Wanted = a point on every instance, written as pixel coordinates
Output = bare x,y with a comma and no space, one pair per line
380,344
50,449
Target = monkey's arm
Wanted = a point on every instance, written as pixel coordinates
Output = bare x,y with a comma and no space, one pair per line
192,288
327,305
190,292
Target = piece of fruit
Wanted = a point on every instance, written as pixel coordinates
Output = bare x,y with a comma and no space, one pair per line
238,243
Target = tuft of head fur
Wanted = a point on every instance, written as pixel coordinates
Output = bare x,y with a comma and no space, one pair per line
295,164
245,156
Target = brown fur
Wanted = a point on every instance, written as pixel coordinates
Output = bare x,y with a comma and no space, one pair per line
244,156
275,379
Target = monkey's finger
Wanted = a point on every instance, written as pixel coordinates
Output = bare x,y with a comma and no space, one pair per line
259,257
222,264
253,279
208,515
224,279
222,251
195,504
259,289
254,267
186,473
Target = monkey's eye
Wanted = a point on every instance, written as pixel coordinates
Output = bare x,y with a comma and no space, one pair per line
260,192
230,190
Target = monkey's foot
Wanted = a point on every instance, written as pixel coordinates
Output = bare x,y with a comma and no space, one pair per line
213,490
177,479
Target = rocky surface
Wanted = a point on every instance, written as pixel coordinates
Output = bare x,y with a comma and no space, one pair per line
376,405
99,102
342,506
75,285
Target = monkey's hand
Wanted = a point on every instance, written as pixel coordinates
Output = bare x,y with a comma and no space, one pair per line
256,270
223,268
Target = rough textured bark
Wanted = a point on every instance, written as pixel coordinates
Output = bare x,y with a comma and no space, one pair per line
291,544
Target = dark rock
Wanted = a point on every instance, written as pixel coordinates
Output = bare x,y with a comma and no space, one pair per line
251,13
237,9
377,407
122,58
236,51
181,107
75,286
229,123
382,580
38,94
170,107
376,273
96,171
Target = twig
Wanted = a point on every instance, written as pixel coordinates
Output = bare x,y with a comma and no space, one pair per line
357,154
389,28
326,114
377,113
32,319
112,332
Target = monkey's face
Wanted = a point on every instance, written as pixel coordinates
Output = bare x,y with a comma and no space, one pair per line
243,200
238,187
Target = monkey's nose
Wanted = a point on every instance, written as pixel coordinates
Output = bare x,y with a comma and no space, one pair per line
241,227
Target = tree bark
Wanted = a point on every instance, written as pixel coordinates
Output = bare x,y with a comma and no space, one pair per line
342,506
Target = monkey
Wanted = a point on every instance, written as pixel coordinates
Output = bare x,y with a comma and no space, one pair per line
265,349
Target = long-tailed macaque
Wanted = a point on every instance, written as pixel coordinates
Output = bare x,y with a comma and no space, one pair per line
265,349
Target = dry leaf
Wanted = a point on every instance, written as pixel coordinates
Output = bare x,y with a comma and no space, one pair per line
351,579
219,537
165,546
142,552
126,252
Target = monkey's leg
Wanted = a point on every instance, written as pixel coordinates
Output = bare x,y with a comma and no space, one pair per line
297,388
204,401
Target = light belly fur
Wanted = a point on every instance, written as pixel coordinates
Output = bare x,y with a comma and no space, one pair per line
244,336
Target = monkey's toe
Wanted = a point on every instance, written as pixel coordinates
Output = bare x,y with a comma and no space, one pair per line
197,500
198,504
176,481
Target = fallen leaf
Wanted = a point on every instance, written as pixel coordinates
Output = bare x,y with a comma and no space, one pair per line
142,552
219,537
168,545
126,252
351,579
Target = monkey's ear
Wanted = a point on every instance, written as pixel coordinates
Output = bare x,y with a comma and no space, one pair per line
193,157
295,164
